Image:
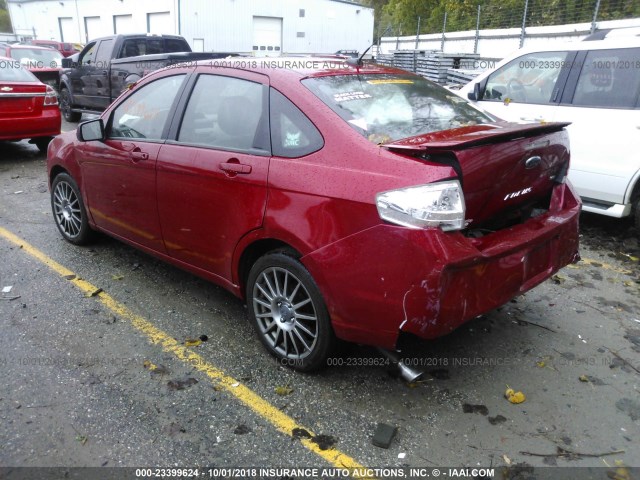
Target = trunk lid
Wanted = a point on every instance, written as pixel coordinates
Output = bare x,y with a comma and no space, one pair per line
505,169
21,99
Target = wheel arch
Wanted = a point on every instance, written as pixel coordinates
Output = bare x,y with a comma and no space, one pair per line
55,171
253,251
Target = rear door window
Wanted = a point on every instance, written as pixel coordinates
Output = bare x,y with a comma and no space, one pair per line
530,78
609,79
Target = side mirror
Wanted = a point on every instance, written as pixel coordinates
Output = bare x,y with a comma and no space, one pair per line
67,63
91,130
475,95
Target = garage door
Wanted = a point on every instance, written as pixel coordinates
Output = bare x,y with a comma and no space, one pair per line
93,28
159,22
267,36
123,24
67,32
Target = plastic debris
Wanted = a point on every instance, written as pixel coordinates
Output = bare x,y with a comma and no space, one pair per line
402,455
384,435
7,289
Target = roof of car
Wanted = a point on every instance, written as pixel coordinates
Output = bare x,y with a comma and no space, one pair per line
620,41
31,47
307,66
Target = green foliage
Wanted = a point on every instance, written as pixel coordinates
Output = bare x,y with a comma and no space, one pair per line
402,15
5,21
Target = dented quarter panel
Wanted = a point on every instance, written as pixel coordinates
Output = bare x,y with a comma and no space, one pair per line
428,282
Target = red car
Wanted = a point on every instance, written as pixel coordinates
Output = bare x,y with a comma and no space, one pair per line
65,49
352,202
28,108
44,63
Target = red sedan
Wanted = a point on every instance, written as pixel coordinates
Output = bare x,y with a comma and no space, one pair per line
28,108
338,200
44,63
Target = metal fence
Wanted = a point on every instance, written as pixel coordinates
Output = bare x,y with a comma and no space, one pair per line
518,14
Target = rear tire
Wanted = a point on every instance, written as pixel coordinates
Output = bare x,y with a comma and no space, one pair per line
288,312
68,210
42,143
65,107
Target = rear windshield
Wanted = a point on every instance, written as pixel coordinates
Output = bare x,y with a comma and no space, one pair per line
389,107
12,71
37,57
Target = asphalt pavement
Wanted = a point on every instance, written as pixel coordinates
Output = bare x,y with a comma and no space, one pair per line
97,368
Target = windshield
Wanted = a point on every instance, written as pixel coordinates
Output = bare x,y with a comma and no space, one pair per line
389,107
37,57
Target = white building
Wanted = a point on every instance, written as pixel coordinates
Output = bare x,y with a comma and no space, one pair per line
264,27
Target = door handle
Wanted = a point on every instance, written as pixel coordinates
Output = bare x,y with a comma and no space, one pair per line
137,155
234,168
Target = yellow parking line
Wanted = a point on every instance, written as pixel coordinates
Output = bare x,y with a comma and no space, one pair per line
260,406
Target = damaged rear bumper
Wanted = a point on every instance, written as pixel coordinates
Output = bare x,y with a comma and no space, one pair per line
389,279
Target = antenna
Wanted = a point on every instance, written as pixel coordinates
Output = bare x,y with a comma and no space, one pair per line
358,63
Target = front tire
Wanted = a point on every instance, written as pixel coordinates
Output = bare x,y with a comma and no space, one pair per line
65,107
288,312
68,210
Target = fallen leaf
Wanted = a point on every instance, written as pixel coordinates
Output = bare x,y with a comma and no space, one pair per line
506,459
192,342
513,396
324,442
82,439
93,293
541,364
284,391
241,429
583,378
117,277
558,279
181,384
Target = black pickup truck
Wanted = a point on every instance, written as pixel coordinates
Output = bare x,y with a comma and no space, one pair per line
91,79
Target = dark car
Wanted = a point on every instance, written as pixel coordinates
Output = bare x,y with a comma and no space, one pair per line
340,201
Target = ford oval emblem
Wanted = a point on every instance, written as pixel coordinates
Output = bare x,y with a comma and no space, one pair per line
532,162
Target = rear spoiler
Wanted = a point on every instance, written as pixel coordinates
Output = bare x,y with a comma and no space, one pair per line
473,136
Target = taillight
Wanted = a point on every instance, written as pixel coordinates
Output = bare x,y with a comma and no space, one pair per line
51,97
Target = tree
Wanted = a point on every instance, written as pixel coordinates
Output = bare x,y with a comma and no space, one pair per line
5,21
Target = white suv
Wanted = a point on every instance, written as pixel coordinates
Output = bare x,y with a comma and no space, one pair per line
595,85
